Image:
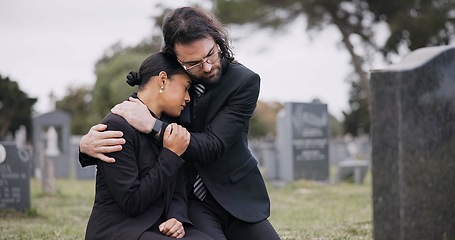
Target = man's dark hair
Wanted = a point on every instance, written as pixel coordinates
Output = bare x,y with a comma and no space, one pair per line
187,24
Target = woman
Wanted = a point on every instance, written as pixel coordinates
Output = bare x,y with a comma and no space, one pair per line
142,195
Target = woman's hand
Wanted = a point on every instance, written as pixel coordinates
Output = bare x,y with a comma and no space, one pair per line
176,138
136,114
172,228
97,142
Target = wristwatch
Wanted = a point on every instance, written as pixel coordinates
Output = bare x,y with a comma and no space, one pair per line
156,127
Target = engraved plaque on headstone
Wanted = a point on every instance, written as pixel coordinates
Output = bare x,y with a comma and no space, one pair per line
14,177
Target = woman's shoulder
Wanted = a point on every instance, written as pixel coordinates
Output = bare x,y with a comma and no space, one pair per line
115,122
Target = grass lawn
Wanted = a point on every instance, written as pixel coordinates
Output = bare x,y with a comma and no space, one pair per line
300,210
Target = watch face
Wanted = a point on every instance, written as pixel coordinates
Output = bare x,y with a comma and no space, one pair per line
2,153
156,127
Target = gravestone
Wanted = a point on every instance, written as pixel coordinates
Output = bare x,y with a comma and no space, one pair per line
81,173
52,130
338,151
356,160
14,177
413,146
265,152
303,142
355,169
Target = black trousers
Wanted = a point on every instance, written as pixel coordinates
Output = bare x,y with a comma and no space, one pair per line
211,218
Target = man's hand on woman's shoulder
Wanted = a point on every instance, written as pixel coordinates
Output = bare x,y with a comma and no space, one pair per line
97,142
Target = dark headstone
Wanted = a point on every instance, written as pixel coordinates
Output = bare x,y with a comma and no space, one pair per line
14,177
303,142
413,147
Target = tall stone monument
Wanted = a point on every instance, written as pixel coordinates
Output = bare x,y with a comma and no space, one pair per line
413,146
51,135
303,142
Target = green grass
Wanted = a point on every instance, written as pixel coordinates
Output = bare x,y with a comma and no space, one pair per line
310,210
300,210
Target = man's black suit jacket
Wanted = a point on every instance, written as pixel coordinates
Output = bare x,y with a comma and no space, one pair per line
219,146
145,185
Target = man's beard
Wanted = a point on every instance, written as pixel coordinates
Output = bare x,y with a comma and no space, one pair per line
205,80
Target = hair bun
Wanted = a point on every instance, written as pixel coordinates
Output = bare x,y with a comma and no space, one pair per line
133,78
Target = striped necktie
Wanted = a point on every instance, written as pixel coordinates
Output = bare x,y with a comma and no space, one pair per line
199,189
199,90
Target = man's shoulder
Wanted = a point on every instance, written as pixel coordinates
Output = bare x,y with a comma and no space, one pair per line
239,72
239,67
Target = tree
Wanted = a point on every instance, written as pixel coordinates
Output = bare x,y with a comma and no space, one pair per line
415,24
15,108
77,103
412,24
357,121
111,70
263,122
335,126
349,17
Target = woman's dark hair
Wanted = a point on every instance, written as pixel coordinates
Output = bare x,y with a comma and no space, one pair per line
187,24
152,66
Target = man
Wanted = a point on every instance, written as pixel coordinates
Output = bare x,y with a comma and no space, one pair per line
227,195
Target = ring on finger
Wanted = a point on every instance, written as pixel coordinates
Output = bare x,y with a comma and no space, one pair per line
178,232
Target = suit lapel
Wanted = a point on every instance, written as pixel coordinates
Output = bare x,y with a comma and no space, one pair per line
202,108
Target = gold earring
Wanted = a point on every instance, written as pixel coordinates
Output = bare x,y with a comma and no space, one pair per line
161,89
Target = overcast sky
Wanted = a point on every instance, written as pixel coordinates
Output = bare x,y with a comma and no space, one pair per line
49,45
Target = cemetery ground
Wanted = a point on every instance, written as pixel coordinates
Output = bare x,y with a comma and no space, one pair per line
300,210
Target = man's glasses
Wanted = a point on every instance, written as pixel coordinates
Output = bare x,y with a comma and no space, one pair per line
197,67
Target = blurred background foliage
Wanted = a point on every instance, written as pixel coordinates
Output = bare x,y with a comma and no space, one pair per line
15,108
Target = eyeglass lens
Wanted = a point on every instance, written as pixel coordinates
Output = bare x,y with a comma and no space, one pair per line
210,60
